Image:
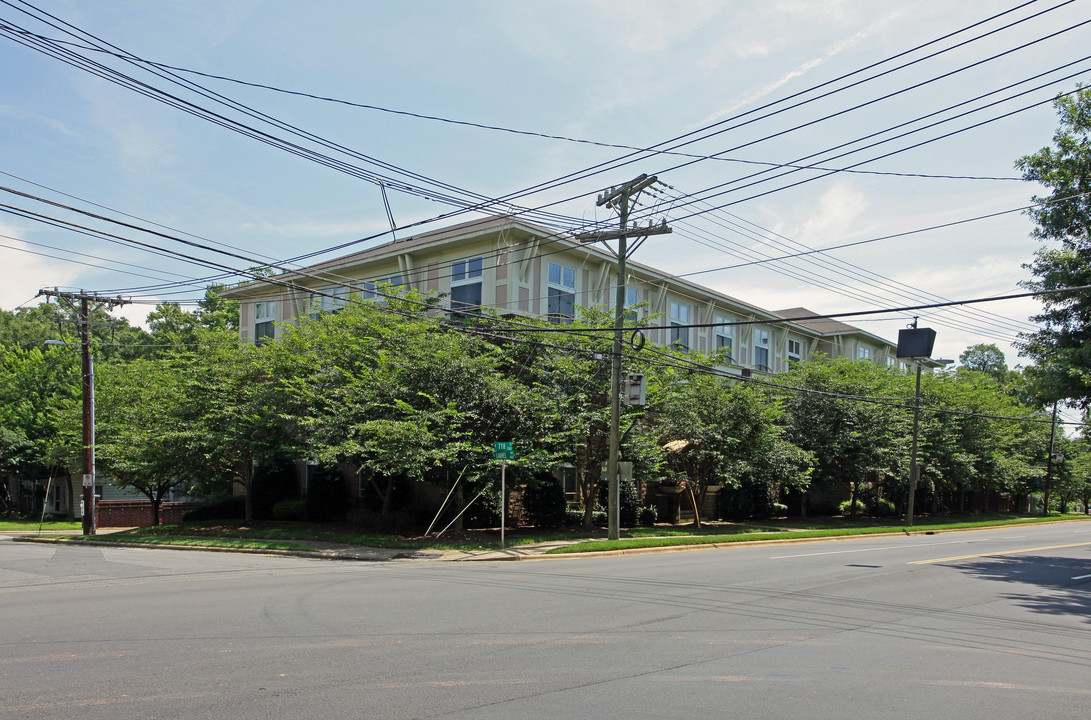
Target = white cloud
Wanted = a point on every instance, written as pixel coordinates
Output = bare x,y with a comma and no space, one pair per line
804,13
836,216
22,269
24,264
635,26
137,315
309,228
655,25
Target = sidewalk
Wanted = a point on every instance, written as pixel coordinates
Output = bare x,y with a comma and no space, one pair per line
325,551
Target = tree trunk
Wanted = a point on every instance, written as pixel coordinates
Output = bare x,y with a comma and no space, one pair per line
248,488
588,491
460,502
388,496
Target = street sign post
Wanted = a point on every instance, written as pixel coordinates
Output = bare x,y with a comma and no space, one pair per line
503,451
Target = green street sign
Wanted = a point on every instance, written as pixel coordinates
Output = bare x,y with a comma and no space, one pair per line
503,451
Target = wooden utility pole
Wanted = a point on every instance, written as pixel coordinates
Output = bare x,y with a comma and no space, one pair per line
1049,460
83,313
619,198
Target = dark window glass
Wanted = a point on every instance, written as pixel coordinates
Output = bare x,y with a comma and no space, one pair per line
679,337
263,332
466,298
761,358
561,306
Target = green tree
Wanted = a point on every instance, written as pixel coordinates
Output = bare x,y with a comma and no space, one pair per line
112,337
39,388
725,433
965,446
171,325
1079,469
844,413
1062,347
148,428
987,359
390,390
572,426
248,408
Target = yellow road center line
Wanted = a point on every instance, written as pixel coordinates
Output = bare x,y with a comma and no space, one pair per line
999,552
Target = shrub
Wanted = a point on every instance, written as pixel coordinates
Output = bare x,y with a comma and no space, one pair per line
402,521
573,518
290,510
628,501
544,503
484,512
232,508
327,497
884,507
598,517
822,508
648,516
780,510
275,479
846,508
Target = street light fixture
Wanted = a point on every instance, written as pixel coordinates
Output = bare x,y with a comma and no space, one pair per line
88,386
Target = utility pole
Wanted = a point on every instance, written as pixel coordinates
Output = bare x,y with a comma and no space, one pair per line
83,311
916,344
620,199
914,466
1049,460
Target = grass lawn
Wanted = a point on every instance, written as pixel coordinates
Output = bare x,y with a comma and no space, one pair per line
798,529
299,535
226,532
8,525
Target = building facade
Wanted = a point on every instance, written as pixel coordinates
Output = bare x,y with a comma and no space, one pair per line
519,269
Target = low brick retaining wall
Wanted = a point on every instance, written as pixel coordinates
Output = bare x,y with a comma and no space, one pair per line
137,513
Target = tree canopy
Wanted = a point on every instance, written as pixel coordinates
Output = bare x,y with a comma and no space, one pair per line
987,359
1061,349
406,394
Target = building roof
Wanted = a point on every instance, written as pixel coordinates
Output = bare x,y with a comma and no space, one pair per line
499,225
824,325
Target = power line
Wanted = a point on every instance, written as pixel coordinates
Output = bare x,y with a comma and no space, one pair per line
498,128
827,316
219,98
854,272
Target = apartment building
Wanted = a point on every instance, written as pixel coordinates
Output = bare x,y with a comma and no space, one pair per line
520,269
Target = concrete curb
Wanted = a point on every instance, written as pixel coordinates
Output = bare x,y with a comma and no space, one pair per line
533,552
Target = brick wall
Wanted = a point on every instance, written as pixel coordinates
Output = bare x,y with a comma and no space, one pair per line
137,513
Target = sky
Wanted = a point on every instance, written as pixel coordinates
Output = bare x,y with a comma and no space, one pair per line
583,82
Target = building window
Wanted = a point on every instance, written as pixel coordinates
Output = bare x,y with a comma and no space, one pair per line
377,290
264,318
331,300
466,285
632,297
761,350
561,301
795,351
863,353
725,339
678,319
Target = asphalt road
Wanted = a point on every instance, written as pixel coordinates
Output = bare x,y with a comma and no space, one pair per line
985,624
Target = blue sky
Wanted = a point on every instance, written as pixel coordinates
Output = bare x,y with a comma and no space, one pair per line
632,73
